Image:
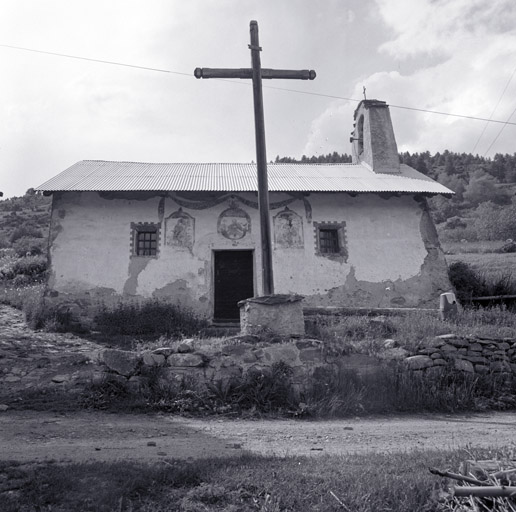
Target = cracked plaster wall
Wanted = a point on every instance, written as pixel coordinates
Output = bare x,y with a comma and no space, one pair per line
394,258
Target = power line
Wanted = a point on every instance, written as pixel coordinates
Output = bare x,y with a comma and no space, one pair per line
146,68
494,110
95,60
500,132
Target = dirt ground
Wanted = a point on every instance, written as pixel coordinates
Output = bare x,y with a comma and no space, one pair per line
31,359
38,436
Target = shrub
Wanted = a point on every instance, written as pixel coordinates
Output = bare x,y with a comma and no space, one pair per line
25,230
151,317
29,246
33,267
466,281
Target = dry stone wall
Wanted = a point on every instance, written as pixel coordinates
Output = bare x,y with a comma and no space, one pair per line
308,359
204,364
467,354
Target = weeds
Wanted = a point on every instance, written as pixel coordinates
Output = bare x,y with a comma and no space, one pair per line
152,317
394,389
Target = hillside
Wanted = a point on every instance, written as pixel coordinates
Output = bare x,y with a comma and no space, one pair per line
24,223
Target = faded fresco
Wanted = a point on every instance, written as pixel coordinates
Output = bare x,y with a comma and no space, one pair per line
180,230
288,229
234,223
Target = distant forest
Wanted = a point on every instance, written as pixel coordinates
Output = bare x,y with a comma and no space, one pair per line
484,204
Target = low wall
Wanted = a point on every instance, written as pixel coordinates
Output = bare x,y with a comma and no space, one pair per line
472,354
308,358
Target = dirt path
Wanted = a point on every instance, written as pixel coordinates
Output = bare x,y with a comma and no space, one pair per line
28,435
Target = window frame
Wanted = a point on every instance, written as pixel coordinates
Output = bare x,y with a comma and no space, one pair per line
340,229
137,228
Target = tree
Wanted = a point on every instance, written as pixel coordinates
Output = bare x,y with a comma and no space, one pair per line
482,187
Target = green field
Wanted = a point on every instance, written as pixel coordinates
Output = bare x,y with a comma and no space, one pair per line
479,255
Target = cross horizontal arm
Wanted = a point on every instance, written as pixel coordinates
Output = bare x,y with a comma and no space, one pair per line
286,74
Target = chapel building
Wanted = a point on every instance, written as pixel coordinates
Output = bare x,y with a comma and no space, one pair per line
345,235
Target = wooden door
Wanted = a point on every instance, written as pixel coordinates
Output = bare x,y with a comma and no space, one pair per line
233,282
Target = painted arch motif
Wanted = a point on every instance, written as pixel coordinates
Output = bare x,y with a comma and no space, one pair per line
288,230
180,230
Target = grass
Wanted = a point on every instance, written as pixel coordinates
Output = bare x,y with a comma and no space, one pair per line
478,247
490,264
373,482
364,334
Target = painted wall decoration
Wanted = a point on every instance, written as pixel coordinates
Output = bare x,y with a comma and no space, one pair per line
180,230
288,229
234,223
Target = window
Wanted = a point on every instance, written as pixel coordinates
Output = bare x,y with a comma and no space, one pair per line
146,243
330,240
145,239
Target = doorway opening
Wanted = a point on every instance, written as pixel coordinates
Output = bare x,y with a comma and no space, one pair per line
233,282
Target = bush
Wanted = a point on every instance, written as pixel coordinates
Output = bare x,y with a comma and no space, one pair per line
25,230
151,317
29,246
33,267
466,281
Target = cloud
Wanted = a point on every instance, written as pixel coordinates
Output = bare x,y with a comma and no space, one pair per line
458,57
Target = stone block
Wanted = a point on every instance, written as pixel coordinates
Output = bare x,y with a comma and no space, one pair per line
236,350
448,348
419,362
186,360
390,343
307,343
504,346
446,337
434,343
186,346
440,362
464,366
120,361
481,368
153,359
436,355
165,351
394,354
476,359
459,342
476,347
513,367
276,314
426,351
290,355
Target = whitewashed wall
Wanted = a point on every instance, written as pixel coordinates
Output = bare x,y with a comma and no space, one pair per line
393,254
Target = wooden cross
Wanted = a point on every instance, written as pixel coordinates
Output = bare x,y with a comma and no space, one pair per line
256,73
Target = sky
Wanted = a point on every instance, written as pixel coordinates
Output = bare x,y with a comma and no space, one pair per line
454,56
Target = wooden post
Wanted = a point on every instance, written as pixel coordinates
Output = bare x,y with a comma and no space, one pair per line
261,163
256,73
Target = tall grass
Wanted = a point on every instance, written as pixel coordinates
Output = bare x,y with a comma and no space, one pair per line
148,317
362,483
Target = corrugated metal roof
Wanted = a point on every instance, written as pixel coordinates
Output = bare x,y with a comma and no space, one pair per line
99,175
